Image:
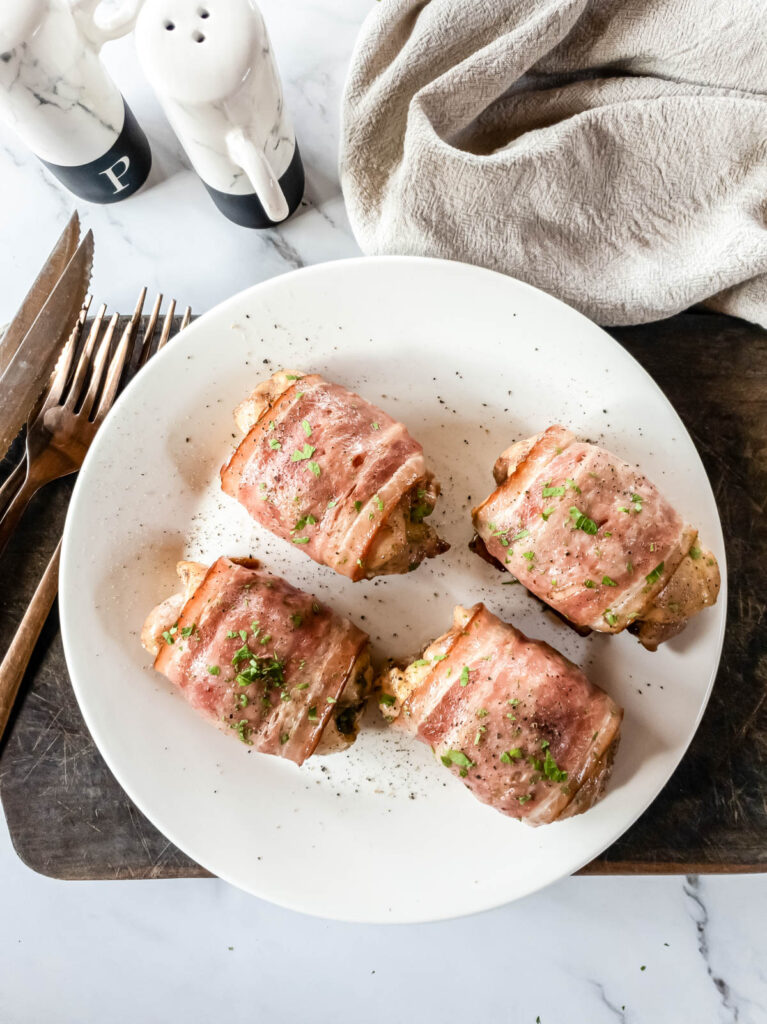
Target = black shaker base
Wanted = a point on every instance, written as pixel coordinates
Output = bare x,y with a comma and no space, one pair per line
247,211
120,172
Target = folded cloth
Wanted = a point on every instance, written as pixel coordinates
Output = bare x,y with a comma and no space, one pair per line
611,152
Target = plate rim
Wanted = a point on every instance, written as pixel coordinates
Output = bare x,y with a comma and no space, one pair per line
66,585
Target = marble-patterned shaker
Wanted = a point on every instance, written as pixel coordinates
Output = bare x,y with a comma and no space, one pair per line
212,67
58,98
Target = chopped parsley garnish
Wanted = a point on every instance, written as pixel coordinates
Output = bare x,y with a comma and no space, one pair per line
529,555
292,376
296,618
420,663
611,618
508,756
274,444
214,670
694,552
375,426
479,734
387,699
243,634
303,453
608,581
311,714
302,686
582,522
589,583
550,768
629,567
168,635
187,631
456,757
465,675
572,485
307,428
636,502
513,702
242,729
379,502
357,506
482,713
271,670
439,657
332,503
241,654
307,520
271,425
547,512
284,738
525,798
300,540
520,535
553,492
330,700
656,574
242,700
315,468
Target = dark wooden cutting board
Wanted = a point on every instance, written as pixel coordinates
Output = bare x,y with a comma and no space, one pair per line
69,818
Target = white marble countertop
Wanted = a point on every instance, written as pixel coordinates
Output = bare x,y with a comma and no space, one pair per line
586,951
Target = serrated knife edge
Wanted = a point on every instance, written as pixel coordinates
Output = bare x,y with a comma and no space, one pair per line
35,299
30,368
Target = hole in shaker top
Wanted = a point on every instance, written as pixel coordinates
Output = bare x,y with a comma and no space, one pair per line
169,26
203,12
198,37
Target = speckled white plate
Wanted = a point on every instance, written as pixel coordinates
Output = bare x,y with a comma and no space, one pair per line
470,360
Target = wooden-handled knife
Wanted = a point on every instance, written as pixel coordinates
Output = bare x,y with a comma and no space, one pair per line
33,341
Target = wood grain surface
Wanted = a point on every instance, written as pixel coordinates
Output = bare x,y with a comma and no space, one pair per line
69,818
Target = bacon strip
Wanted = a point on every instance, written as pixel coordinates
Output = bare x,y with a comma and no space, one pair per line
520,724
254,654
329,472
591,536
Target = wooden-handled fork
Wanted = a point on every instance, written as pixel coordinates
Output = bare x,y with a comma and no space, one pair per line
58,436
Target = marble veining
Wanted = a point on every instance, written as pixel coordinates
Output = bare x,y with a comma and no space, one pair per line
217,80
55,93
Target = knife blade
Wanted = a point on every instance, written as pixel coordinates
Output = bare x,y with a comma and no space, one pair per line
30,368
61,254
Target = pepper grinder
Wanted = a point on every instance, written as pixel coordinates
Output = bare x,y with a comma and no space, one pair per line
212,66
56,95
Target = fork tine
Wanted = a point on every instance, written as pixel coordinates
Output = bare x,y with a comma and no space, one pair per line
116,366
167,325
76,387
185,320
146,348
99,362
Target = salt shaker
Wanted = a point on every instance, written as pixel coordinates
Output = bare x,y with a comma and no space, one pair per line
57,96
211,65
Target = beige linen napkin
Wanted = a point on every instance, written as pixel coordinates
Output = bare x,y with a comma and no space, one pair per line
611,152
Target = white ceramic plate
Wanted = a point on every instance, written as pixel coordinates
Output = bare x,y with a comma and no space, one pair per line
470,360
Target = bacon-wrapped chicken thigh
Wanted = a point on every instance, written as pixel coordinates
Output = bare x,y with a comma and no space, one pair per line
259,657
327,471
520,724
593,538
